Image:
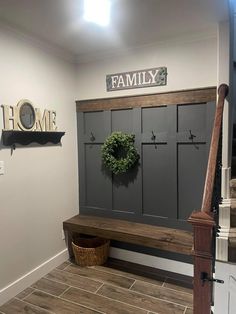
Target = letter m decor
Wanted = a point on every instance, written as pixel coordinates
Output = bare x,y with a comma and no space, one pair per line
137,79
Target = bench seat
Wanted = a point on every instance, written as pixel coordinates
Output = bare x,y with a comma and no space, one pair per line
167,239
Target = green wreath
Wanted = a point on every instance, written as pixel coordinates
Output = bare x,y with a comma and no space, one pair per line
119,153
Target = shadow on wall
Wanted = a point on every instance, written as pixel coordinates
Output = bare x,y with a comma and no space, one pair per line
18,146
123,179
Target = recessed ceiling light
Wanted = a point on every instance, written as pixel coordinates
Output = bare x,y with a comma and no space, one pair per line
97,11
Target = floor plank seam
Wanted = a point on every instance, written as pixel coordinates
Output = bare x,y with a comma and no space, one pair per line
100,271
85,306
71,285
28,294
103,297
52,295
99,289
66,267
63,299
188,293
164,288
140,293
64,291
92,279
132,277
136,292
128,304
185,310
106,297
38,307
60,282
132,284
114,280
124,276
68,264
164,282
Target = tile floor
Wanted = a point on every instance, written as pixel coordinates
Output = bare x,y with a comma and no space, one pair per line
89,290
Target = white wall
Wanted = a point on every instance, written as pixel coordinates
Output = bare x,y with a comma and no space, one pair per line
39,189
190,64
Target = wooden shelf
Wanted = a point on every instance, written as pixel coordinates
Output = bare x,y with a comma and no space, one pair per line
10,138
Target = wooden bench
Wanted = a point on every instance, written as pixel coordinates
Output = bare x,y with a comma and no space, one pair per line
167,239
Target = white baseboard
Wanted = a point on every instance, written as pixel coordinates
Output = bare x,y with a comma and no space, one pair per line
35,274
152,261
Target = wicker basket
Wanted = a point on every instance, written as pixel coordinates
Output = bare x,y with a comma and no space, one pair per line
91,251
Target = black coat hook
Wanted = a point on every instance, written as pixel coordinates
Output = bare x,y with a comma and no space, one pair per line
192,136
92,137
153,136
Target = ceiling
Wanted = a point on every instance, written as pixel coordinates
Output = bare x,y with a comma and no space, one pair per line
134,23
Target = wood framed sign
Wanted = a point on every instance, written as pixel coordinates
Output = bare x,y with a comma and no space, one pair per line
137,79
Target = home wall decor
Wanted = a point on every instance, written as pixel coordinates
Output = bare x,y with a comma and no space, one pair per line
24,124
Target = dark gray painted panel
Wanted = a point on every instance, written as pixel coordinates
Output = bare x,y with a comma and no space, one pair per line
160,137
125,191
125,187
158,181
122,120
98,180
154,119
192,163
81,153
192,117
149,196
210,115
185,137
94,122
137,123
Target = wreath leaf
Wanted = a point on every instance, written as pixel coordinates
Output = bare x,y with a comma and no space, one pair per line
119,153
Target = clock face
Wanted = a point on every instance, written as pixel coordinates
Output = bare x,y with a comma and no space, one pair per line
27,115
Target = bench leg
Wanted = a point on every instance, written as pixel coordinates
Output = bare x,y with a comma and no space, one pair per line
68,238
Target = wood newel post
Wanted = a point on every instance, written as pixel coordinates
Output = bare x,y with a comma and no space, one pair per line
203,222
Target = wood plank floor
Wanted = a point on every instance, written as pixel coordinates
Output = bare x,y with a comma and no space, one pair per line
89,290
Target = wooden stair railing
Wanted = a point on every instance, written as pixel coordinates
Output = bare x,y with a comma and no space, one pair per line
203,221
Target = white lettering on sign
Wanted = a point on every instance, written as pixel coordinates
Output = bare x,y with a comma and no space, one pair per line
131,79
137,79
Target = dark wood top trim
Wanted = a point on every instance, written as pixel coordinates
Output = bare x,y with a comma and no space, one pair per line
167,239
191,96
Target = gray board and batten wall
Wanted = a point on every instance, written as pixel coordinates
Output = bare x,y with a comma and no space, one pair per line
167,184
